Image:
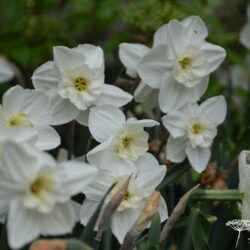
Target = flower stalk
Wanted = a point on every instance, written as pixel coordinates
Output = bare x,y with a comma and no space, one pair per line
219,195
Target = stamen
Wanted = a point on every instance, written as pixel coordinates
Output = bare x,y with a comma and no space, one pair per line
185,62
19,119
196,128
80,84
36,186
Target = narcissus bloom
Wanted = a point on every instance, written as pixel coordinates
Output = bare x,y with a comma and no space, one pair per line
245,32
75,82
6,72
122,142
36,191
180,67
244,184
142,184
25,114
192,131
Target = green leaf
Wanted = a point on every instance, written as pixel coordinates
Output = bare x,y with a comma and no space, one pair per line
200,228
88,232
154,233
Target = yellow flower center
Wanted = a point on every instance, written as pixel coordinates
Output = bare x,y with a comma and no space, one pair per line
42,182
80,84
19,119
196,128
185,62
36,187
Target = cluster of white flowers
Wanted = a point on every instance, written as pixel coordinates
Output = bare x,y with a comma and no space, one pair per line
175,74
36,190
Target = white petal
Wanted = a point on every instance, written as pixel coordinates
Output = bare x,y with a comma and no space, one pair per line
77,209
161,35
60,221
245,36
198,157
93,54
150,173
105,157
87,210
79,175
13,99
123,221
146,95
6,72
83,117
130,54
244,169
199,89
112,95
8,191
66,58
177,37
97,188
175,149
215,55
63,110
153,66
3,217
172,95
48,138
176,123
105,121
45,77
15,157
36,106
22,225
163,210
215,108
19,134
196,30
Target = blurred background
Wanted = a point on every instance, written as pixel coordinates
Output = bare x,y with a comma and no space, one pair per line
30,28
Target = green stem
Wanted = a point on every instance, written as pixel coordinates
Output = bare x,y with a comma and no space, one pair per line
217,194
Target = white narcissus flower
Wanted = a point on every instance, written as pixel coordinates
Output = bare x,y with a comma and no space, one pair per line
244,183
75,82
192,130
180,68
6,72
245,32
25,114
141,186
122,142
36,191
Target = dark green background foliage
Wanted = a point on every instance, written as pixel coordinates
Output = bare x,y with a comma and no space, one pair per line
29,30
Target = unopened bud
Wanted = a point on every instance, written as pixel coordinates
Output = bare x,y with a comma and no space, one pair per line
146,216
